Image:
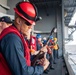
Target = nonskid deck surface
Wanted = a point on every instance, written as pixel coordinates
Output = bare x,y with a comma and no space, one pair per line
59,68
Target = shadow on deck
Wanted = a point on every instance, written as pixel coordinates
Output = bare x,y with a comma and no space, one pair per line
60,68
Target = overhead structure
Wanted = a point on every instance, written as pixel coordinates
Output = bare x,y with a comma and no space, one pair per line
4,6
69,6
69,10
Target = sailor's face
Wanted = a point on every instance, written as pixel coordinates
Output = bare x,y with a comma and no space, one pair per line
3,25
26,29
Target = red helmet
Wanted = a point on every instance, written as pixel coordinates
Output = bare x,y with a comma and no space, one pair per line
27,11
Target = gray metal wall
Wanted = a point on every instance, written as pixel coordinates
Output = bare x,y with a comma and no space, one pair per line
47,22
53,19
59,30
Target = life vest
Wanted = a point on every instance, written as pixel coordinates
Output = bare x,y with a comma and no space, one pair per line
4,68
55,46
32,44
51,41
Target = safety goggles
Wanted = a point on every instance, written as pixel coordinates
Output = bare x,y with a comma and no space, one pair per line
27,23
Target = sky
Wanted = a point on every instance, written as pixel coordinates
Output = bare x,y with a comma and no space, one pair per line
73,22
74,40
